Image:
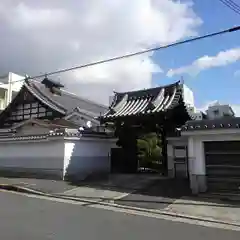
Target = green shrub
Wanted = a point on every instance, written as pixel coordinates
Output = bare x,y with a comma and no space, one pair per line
149,150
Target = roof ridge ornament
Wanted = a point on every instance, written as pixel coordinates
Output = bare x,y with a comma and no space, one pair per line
51,83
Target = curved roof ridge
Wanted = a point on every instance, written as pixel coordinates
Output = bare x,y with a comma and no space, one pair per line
148,89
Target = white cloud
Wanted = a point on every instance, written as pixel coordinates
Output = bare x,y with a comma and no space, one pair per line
206,62
41,36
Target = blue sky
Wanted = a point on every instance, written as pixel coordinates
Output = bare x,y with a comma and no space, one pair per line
69,33
216,83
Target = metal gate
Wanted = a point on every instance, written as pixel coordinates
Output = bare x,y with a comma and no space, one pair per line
223,166
180,158
222,159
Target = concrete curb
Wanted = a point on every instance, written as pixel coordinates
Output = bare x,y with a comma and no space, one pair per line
21,189
235,198
111,203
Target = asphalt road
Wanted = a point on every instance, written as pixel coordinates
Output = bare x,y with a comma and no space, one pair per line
30,218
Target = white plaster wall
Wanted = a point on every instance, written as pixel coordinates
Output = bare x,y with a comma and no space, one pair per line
87,156
44,157
57,158
196,156
196,165
191,155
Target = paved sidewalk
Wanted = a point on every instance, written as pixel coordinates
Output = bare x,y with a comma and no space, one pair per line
159,195
206,208
115,186
42,185
90,193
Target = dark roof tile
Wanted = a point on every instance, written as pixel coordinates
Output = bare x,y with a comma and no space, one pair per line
68,101
210,124
145,101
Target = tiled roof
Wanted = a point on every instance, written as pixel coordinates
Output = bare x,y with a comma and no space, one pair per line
206,124
61,132
147,101
44,95
66,102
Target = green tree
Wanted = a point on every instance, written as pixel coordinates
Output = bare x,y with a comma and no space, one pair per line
149,150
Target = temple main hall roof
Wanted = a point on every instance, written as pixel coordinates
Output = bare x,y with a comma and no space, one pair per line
47,99
64,102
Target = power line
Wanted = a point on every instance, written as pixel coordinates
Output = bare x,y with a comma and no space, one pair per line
232,5
234,29
235,4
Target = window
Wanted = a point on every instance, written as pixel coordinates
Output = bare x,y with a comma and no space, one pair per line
226,115
216,112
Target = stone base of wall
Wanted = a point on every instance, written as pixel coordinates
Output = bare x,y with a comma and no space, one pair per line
198,183
55,174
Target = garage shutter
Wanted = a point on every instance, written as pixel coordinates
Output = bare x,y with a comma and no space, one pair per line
223,166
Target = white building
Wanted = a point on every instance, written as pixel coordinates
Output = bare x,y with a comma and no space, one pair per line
218,110
211,149
48,132
10,84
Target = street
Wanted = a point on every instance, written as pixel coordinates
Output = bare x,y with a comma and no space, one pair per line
26,218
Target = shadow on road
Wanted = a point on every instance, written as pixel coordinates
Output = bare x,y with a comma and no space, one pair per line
157,193
151,191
